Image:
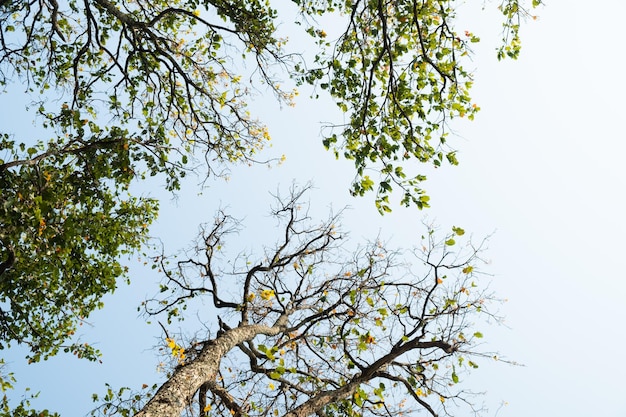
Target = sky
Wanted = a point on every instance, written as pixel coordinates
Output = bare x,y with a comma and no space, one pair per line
540,169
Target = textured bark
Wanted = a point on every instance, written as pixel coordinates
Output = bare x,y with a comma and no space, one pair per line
318,402
173,396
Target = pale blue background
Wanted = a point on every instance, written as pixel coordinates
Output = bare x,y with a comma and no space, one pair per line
542,166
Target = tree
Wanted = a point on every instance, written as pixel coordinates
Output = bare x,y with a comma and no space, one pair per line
311,327
125,90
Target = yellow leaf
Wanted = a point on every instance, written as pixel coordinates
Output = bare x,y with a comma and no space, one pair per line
267,294
42,226
170,343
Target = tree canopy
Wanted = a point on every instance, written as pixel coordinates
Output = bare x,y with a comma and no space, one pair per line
166,74
125,90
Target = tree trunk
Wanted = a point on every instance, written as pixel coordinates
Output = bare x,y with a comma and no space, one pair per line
176,393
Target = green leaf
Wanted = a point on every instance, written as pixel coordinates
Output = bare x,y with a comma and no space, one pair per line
455,378
468,269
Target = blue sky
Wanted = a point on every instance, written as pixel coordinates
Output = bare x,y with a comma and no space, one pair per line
541,166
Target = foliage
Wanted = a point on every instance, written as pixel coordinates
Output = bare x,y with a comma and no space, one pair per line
311,327
123,402
165,71
129,89
397,71
66,219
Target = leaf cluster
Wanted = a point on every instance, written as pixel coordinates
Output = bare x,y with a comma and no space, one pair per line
398,73
66,220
